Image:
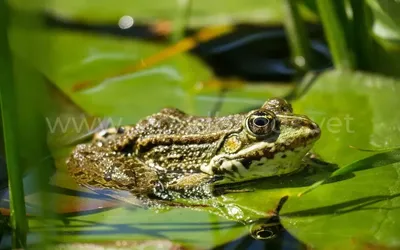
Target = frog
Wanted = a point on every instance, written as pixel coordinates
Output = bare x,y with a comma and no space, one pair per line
172,155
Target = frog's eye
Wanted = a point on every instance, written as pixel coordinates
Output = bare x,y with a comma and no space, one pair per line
261,123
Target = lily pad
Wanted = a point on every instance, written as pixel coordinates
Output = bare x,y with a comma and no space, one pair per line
182,81
362,209
78,57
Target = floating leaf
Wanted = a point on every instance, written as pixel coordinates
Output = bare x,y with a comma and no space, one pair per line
364,206
77,57
378,160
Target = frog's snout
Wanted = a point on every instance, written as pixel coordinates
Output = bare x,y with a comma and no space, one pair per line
316,129
313,126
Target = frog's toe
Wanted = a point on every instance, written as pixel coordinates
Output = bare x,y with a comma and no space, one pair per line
313,160
160,192
215,178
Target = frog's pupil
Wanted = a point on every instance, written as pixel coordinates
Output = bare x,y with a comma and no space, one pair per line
261,121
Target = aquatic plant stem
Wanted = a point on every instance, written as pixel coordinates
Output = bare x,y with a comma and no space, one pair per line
298,37
332,18
8,111
34,105
181,20
363,42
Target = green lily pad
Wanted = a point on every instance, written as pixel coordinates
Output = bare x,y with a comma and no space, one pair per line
77,57
177,82
363,208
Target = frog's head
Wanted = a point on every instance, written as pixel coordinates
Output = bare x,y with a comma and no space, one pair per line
276,123
273,141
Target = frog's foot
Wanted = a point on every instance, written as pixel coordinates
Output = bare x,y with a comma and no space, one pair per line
190,186
311,163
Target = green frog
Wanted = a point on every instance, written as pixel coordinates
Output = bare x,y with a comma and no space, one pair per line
171,155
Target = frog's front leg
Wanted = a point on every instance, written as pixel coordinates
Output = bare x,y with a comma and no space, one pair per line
194,185
312,161
202,185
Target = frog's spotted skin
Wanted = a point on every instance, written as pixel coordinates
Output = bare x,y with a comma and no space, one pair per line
171,154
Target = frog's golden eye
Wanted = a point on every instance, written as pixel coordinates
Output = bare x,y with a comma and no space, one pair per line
261,123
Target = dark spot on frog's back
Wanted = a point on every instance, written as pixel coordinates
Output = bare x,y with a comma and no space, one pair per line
127,149
80,173
93,183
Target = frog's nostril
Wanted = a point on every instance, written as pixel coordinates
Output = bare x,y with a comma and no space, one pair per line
316,131
314,126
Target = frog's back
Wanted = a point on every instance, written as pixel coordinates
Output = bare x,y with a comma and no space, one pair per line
171,121
169,143
175,143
